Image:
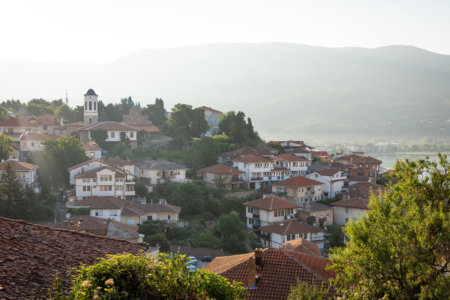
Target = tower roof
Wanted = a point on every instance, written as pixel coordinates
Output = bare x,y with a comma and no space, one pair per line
90,92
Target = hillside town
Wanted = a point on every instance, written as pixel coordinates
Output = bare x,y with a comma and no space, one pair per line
293,199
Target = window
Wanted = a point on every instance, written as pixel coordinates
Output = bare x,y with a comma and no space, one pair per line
85,105
131,134
95,105
149,218
113,134
90,105
25,144
346,210
92,154
32,144
168,217
109,177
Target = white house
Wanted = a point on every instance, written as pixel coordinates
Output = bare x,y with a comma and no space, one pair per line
15,127
33,142
104,181
212,117
93,150
114,131
268,210
154,172
332,179
275,235
102,207
84,167
26,172
299,189
257,169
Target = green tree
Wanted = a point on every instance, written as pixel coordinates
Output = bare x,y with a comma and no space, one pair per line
3,113
140,277
12,202
158,239
113,113
203,152
150,228
309,291
400,249
189,196
6,146
140,189
37,107
311,220
156,112
336,238
225,122
186,123
59,155
232,232
100,136
66,112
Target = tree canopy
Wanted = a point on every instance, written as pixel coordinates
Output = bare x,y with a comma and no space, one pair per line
156,112
232,232
140,277
400,249
6,146
240,132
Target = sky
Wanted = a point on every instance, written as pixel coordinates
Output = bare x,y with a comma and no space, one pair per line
101,31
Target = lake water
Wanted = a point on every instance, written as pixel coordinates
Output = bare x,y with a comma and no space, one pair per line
389,159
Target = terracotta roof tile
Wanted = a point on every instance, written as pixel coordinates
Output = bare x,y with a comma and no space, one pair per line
278,272
328,172
32,255
82,164
291,227
18,165
109,126
290,157
92,146
252,158
93,173
101,202
137,209
302,246
35,136
297,181
271,203
220,169
353,203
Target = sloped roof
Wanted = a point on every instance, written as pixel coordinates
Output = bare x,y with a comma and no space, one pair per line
291,227
296,182
109,126
252,158
92,146
84,163
108,202
279,271
118,162
290,157
90,92
209,108
18,165
35,136
320,153
328,172
314,206
137,209
32,255
365,160
270,203
159,165
355,202
93,173
220,169
25,121
87,223
302,246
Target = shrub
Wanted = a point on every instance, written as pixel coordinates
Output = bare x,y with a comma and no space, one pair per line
139,277
158,239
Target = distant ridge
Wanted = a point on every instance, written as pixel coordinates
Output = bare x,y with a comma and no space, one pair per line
289,90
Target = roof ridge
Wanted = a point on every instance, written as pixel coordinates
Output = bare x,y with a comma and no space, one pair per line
303,265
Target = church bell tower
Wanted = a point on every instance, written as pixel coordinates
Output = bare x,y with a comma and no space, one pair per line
90,107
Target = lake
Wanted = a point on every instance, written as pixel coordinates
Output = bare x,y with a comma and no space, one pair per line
389,159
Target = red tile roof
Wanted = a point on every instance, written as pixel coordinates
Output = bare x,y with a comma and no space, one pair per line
209,108
108,202
252,158
356,202
93,173
87,223
297,181
271,203
109,126
32,255
92,146
35,136
320,153
302,246
18,165
290,157
220,169
366,160
328,172
278,272
118,162
25,121
83,163
137,209
291,227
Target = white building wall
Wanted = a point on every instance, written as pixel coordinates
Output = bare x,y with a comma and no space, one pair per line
342,214
84,168
114,214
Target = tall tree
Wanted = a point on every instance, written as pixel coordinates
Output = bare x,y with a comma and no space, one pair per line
6,146
238,129
12,202
401,248
99,136
113,113
186,123
203,152
225,122
3,113
59,155
232,232
156,112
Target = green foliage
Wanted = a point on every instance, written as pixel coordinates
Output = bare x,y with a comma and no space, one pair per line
150,228
185,123
309,291
79,211
240,132
140,189
203,152
6,146
311,220
140,277
12,202
100,136
3,113
336,238
156,112
232,232
189,196
327,201
158,239
12,105
112,113
400,248
59,155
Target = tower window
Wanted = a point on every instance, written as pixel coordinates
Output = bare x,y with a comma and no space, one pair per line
90,120
85,105
95,105
90,105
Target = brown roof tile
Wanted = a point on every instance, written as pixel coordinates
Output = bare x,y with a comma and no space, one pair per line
297,181
302,246
353,203
290,157
270,203
252,158
18,165
137,209
93,173
82,164
291,227
36,136
32,255
110,125
220,169
102,202
328,172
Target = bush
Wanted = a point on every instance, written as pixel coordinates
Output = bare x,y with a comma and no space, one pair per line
158,239
150,228
140,277
80,211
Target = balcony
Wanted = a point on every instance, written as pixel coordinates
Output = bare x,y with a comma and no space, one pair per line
256,178
255,216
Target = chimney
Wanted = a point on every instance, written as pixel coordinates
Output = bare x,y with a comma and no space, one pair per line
258,257
251,281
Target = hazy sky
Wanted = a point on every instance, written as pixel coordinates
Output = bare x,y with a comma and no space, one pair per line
103,30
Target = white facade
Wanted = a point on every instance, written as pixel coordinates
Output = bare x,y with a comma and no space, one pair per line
114,136
257,217
277,240
105,182
88,166
114,214
90,107
212,117
342,215
255,172
94,154
158,172
332,185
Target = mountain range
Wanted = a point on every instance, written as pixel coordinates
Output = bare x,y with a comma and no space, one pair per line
289,90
